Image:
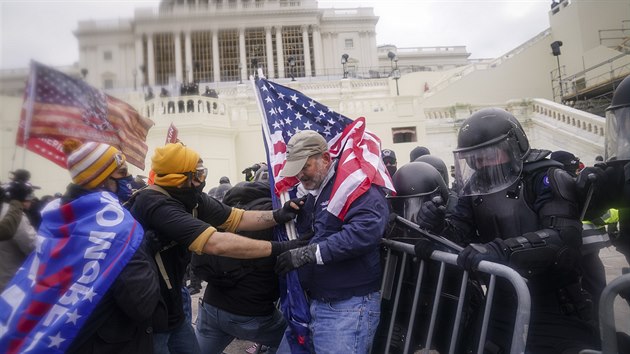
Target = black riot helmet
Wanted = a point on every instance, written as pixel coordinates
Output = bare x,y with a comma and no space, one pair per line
618,123
415,183
436,162
491,147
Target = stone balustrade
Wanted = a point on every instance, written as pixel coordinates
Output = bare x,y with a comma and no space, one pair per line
164,106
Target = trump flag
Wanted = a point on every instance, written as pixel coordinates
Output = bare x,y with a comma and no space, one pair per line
82,248
58,106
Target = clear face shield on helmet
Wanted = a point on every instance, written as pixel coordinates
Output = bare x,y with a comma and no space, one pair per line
409,206
488,168
618,134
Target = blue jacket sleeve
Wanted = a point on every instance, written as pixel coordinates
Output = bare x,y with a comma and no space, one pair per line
362,228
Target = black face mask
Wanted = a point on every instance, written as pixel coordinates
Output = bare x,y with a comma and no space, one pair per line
200,187
188,196
391,169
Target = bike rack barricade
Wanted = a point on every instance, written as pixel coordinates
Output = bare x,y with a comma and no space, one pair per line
396,249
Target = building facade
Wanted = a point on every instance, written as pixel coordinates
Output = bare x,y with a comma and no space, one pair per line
225,41
417,96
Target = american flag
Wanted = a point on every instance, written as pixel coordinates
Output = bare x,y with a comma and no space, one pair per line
58,106
286,112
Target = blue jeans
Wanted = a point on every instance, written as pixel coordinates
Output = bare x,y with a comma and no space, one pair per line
180,340
345,326
217,328
187,304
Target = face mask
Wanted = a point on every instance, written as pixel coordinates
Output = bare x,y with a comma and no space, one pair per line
188,196
124,189
200,187
391,169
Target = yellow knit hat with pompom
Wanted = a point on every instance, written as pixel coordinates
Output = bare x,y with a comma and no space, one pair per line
91,163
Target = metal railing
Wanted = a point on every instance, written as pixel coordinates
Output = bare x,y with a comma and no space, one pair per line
607,327
396,248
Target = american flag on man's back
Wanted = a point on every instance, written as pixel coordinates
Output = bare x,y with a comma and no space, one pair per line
287,111
58,106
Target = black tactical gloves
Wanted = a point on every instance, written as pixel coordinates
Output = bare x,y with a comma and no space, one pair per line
287,212
295,258
493,251
431,215
424,249
280,247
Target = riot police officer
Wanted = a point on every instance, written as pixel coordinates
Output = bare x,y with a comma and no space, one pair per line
519,208
415,184
611,188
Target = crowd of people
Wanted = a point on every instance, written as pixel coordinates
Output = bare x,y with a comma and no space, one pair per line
544,214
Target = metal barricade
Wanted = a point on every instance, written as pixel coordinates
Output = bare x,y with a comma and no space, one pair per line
608,330
396,249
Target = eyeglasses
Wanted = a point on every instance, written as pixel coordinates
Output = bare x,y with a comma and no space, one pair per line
201,173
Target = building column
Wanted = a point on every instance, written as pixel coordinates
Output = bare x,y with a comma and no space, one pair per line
189,61
241,53
336,52
139,62
215,56
269,49
363,43
308,72
178,57
150,60
326,54
279,52
317,50
373,56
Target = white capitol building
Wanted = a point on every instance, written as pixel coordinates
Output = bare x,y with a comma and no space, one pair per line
409,96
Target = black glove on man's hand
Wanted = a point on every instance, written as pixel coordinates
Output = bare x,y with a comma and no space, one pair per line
493,251
424,249
295,258
280,247
431,215
288,212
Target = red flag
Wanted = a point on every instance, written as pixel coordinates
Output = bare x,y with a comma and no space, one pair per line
58,106
171,134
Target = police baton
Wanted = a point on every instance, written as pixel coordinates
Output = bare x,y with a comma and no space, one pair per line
436,238
591,177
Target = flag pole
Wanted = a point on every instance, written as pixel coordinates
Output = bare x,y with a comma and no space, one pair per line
29,109
284,196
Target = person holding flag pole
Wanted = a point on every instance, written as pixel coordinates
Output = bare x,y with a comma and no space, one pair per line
337,164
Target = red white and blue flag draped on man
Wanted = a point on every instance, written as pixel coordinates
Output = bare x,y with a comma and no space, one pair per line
286,112
83,245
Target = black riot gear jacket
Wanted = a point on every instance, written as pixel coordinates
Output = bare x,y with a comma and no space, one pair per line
544,198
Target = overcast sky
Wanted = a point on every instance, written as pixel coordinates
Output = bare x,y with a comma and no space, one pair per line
42,29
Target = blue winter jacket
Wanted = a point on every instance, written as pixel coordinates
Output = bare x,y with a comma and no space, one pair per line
349,248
